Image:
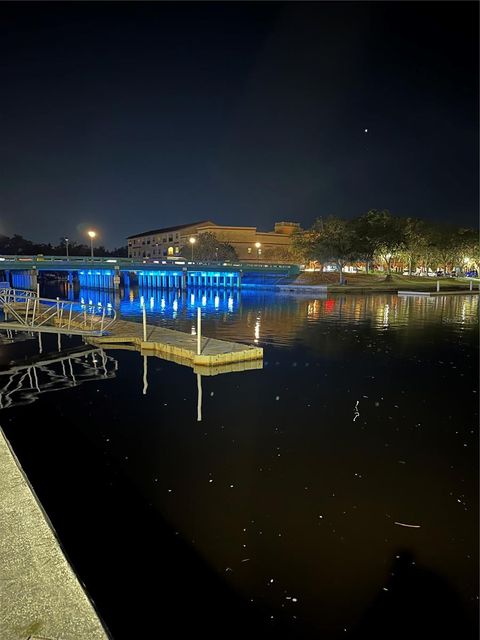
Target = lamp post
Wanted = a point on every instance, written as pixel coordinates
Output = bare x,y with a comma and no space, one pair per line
258,245
66,246
92,235
192,242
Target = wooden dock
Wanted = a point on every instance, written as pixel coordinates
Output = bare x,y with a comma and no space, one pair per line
182,345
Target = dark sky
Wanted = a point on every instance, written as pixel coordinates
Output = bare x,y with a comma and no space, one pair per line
134,116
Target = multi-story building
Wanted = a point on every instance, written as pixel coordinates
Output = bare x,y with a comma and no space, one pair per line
250,245
162,243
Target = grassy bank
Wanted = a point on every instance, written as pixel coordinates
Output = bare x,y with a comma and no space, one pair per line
378,282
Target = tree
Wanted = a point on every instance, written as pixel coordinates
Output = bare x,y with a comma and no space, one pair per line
279,254
209,249
364,240
416,237
329,240
387,235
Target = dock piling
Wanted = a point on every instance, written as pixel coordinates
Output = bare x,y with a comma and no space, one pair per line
144,315
199,330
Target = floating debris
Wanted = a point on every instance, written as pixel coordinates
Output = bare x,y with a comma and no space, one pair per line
356,411
411,526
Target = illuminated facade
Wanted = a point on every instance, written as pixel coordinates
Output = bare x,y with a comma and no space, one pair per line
162,243
250,245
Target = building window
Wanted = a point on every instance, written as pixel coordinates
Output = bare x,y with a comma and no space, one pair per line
170,251
170,238
249,249
177,249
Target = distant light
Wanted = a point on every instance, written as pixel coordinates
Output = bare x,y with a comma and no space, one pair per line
365,130
92,234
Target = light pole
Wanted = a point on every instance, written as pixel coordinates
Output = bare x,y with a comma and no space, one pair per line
92,235
192,242
258,245
66,246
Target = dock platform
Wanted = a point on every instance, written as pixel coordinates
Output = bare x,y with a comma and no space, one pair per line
436,294
41,597
177,343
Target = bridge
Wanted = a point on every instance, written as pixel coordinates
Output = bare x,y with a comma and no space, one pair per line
108,273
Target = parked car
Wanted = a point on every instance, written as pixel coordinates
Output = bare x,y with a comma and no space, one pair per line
471,274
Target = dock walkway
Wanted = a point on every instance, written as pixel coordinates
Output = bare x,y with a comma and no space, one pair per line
40,595
177,343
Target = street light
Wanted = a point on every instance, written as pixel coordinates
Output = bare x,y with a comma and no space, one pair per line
258,245
192,242
92,235
66,246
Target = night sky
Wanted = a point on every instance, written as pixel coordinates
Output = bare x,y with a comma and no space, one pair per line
134,116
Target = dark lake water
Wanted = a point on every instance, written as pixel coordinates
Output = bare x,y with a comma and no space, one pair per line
283,512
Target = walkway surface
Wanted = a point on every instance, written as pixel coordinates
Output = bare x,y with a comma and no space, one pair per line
40,595
177,343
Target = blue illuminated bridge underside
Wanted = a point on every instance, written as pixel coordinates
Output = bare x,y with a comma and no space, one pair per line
22,272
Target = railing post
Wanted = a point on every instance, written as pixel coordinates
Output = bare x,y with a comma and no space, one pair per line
199,330
38,290
438,285
103,320
70,315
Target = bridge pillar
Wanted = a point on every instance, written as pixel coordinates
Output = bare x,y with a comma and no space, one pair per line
116,278
24,279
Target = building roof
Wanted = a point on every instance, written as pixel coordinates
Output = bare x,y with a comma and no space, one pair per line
176,228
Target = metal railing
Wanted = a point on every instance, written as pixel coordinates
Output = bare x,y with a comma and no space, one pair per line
33,312
23,261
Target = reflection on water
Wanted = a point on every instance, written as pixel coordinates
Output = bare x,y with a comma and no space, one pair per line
23,383
268,318
282,512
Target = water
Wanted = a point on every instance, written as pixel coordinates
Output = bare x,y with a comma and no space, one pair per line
282,512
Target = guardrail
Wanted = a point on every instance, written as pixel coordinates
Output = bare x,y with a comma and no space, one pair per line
133,262
33,312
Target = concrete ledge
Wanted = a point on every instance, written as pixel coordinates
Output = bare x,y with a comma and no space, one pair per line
41,595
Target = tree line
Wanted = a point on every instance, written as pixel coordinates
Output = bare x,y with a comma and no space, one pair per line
18,245
378,237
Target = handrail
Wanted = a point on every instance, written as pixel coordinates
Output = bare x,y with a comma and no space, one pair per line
118,262
32,311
